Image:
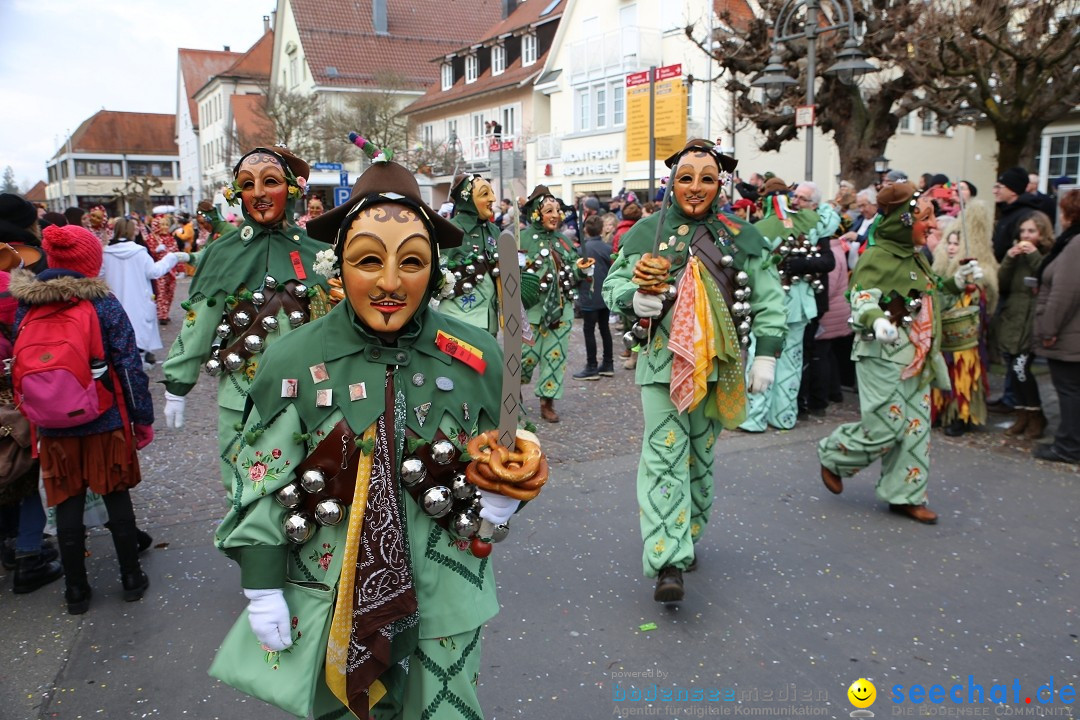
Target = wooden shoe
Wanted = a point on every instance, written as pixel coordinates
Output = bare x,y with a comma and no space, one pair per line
918,513
832,481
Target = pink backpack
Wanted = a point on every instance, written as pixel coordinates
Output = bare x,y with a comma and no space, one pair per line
50,371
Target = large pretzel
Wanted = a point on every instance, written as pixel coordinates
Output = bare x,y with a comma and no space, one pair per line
518,474
651,273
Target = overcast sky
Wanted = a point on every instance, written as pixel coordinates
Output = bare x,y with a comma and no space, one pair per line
61,61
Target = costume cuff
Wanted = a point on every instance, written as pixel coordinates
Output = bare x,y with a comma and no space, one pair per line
768,346
867,319
178,388
262,566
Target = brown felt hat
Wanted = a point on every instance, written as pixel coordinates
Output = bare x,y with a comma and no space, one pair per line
893,196
774,185
726,162
384,182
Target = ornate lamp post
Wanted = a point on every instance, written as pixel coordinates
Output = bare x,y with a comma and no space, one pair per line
801,20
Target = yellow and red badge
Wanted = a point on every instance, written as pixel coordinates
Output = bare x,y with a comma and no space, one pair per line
461,350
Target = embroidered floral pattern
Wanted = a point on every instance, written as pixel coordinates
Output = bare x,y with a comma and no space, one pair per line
264,467
323,556
189,318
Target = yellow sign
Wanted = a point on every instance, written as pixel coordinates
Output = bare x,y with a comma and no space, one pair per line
669,119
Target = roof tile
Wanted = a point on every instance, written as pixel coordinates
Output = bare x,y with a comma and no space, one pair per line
198,66
108,131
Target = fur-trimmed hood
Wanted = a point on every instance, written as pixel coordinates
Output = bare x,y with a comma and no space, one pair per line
30,289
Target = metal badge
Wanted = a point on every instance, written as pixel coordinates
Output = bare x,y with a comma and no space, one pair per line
357,391
444,383
683,229
418,379
318,373
288,387
324,398
465,410
247,232
422,413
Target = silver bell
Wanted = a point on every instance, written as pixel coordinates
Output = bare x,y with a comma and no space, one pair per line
495,271
223,330
543,286
298,528
313,481
213,367
269,282
544,252
744,340
297,318
241,318
467,287
253,343
500,532
258,298
726,261
413,471
233,362
470,269
629,341
742,279
465,524
740,294
744,328
289,496
461,488
300,291
457,274
437,501
747,292
906,320
270,323
329,512
443,451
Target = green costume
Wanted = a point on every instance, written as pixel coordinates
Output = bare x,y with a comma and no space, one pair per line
674,479
894,378
475,299
552,258
229,271
779,405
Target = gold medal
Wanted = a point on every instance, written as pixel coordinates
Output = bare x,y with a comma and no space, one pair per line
683,229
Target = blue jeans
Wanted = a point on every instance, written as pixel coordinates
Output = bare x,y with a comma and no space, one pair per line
31,525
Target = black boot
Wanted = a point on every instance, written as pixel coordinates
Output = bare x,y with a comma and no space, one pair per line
126,541
73,557
7,554
35,571
669,586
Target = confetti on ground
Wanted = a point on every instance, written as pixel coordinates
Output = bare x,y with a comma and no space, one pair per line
647,627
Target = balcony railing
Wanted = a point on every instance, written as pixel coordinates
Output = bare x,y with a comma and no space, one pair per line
620,51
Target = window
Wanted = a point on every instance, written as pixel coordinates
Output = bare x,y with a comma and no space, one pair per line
294,71
929,123
601,106
98,168
618,100
528,49
906,125
509,121
582,110
447,76
428,135
156,169
1064,155
498,60
478,126
451,132
470,68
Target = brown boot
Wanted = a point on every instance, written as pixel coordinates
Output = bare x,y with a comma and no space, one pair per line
1022,418
1036,424
547,410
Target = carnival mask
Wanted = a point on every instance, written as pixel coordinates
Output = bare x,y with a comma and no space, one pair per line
386,266
550,215
697,180
483,197
925,223
314,209
263,188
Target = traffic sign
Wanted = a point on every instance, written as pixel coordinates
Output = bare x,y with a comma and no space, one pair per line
341,195
329,167
344,178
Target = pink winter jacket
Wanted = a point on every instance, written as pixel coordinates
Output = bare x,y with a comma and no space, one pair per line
834,323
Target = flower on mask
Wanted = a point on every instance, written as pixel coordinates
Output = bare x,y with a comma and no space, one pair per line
231,193
326,263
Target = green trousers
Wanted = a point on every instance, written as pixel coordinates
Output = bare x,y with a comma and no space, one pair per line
228,446
674,480
547,357
779,405
895,427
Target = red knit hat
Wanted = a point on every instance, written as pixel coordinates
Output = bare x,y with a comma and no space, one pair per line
72,247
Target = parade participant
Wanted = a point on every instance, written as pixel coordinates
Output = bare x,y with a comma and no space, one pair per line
211,224
314,210
475,300
97,221
160,244
381,391
896,309
691,369
253,286
795,236
550,256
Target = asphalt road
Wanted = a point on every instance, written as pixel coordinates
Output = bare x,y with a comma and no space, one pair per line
798,592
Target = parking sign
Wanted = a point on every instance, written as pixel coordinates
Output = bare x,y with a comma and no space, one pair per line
341,195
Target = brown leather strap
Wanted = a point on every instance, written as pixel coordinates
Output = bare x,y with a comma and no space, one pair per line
436,474
276,300
710,255
483,267
336,449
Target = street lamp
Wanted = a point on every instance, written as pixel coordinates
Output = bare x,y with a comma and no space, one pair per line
881,164
799,20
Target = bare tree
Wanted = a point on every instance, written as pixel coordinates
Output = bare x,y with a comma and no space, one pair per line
1012,62
374,114
9,185
860,119
136,192
294,119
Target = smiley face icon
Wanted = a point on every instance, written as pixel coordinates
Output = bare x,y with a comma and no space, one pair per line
862,693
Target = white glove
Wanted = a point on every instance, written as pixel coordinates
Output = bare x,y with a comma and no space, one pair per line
496,508
269,616
182,257
885,331
589,271
762,373
174,410
969,272
647,306
160,248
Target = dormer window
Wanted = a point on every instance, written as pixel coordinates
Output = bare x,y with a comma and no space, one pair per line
447,76
528,49
498,60
471,66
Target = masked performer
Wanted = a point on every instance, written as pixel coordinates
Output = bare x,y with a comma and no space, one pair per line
475,299
253,286
896,305
691,369
354,446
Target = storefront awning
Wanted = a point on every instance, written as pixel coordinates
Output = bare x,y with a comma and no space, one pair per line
600,188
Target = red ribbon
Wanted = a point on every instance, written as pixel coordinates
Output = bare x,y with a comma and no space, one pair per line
298,265
455,349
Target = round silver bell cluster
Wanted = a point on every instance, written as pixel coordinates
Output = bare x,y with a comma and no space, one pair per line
241,319
299,525
740,309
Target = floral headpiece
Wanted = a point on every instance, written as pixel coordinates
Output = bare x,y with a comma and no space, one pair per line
297,183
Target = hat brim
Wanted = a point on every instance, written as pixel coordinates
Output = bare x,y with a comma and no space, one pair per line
326,226
13,256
